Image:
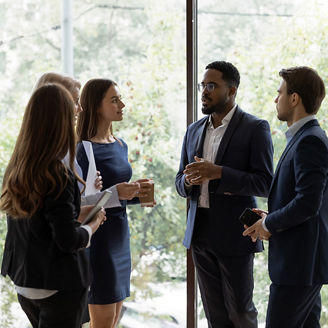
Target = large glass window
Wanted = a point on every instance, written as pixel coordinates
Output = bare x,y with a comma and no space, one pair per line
260,38
140,45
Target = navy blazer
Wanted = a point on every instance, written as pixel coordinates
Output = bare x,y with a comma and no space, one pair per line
245,153
47,251
298,211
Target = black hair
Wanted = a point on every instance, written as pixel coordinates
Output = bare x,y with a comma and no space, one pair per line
229,72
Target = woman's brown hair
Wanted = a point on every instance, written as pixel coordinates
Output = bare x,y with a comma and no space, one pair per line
91,98
35,168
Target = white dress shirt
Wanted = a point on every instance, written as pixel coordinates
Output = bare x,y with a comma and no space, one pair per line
211,145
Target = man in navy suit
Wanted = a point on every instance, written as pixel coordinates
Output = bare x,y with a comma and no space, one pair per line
297,223
226,160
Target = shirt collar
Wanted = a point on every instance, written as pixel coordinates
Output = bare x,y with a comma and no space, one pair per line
225,120
297,125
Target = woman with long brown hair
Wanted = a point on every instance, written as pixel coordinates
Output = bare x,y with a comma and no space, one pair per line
110,247
44,251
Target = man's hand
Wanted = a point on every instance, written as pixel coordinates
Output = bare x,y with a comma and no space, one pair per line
256,230
198,172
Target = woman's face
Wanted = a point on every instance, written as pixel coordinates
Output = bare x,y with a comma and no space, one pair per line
76,98
111,106
77,106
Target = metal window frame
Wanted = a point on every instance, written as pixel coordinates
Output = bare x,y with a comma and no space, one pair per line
191,112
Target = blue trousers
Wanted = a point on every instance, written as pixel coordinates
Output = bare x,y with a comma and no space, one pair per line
294,307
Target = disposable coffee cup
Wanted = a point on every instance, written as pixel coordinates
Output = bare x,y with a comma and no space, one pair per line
148,200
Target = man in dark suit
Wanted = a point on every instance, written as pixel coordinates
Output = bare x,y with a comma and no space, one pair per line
297,223
226,160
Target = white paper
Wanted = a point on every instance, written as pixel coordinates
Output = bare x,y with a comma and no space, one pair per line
92,170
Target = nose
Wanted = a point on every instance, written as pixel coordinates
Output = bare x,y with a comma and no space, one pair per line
276,100
77,108
122,105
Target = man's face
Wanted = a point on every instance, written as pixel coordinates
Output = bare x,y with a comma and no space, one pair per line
284,103
218,99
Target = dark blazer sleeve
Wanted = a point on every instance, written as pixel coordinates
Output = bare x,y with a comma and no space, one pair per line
257,179
61,214
309,168
180,177
47,250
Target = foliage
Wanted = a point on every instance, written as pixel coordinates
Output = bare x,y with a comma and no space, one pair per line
151,70
293,33
149,75
141,46
8,136
295,41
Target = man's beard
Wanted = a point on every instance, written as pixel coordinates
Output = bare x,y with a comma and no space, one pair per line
219,107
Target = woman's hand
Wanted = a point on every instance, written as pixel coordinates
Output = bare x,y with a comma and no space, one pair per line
98,181
127,190
84,211
146,192
97,220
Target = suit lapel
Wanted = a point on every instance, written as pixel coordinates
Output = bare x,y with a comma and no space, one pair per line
290,144
228,134
201,137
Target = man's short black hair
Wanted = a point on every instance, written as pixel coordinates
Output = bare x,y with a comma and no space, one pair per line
229,72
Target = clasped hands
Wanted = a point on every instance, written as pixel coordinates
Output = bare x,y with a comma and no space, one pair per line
198,172
256,231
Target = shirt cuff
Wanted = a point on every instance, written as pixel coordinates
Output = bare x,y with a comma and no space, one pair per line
89,231
264,225
113,201
187,186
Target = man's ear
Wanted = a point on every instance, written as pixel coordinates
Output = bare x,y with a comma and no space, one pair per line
295,98
232,91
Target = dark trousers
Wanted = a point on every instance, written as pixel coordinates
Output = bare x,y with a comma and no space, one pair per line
61,310
225,282
294,307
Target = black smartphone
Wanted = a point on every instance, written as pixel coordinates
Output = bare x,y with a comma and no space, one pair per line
249,217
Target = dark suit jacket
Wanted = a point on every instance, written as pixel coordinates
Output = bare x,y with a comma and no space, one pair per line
298,207
47,250
245,153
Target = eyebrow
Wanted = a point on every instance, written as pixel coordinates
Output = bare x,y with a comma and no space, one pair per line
209,82
115,97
